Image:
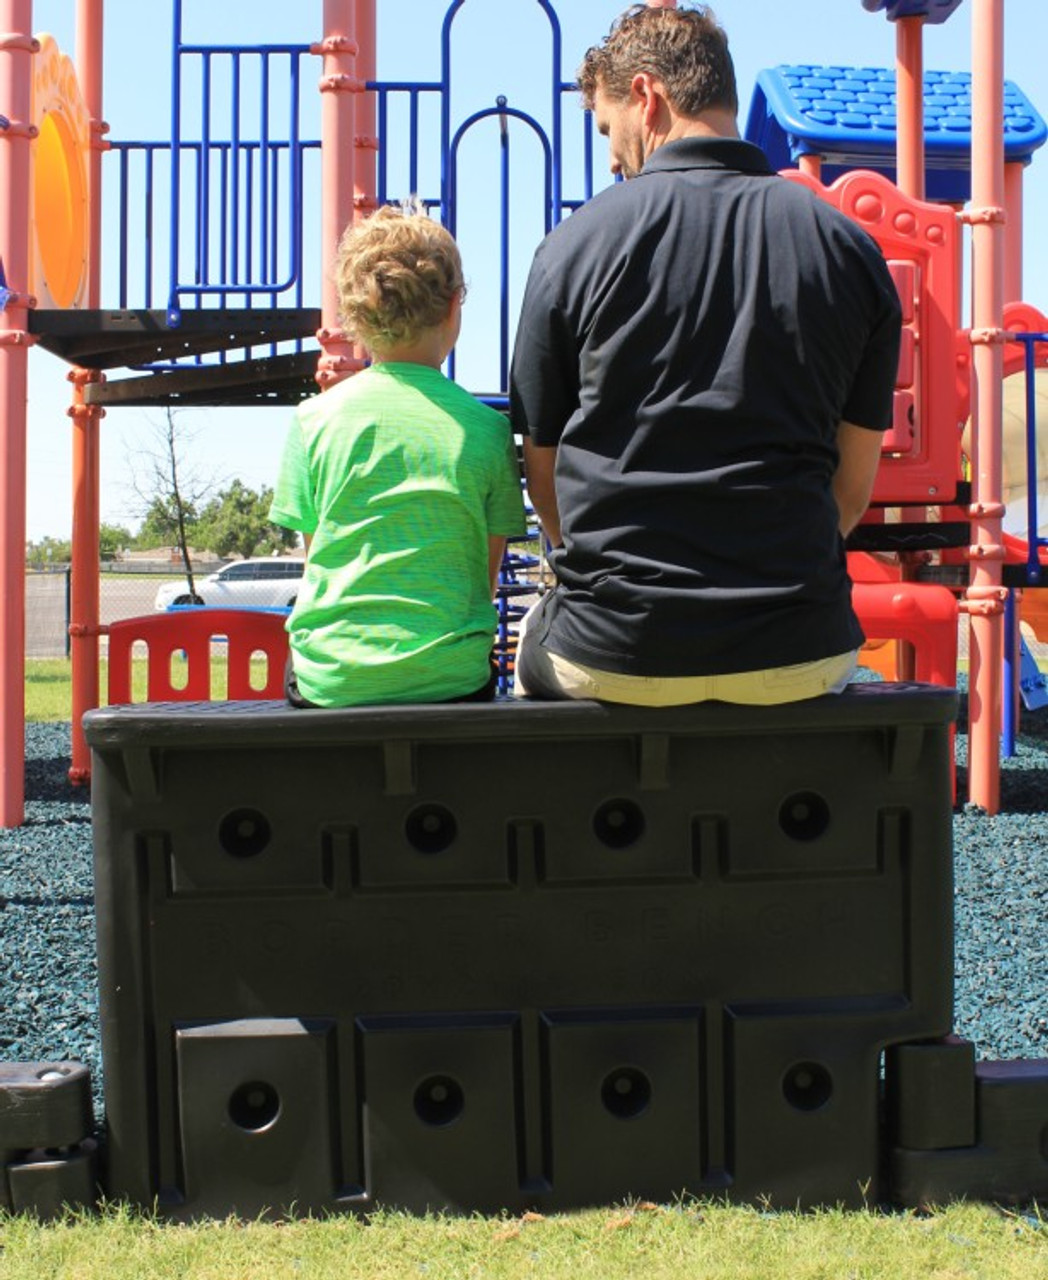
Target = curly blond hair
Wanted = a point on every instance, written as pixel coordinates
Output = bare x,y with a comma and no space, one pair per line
683,48
396,274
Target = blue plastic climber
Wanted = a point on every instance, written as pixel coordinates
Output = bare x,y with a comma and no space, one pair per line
846,115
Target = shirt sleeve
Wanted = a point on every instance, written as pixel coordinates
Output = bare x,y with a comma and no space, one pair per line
293,506
544,377
505,505
870,401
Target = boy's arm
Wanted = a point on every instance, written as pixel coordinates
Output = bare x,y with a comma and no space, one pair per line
496,550
292,506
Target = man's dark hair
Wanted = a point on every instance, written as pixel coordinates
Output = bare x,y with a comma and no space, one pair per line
685,49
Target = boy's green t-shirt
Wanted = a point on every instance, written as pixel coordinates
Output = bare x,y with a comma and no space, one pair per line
400,477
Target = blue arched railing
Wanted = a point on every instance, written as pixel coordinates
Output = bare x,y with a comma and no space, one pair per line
556,124
504,113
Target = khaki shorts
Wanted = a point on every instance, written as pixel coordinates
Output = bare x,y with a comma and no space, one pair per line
542,674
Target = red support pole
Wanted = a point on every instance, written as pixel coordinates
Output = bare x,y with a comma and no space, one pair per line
17,47
339,87
985,600
84,601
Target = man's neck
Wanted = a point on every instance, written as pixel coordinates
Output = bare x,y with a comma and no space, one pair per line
711,124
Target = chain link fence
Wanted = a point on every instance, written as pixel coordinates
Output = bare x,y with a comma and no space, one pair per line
128,590
125,591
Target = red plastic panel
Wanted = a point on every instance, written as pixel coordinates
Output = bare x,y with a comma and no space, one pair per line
920,243
191,631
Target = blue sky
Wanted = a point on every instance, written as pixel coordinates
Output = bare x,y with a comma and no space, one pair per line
501,48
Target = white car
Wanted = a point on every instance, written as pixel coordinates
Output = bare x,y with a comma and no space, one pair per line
258,584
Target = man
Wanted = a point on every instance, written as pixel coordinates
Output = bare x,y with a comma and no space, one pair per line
703,369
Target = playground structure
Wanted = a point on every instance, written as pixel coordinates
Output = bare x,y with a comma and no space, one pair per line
238,1072
236,322
237,274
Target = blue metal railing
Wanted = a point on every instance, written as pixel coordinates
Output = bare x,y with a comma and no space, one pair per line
142,167
242,244
1035,542
235,185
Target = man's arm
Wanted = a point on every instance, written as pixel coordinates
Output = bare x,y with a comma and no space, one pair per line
860,455
539,464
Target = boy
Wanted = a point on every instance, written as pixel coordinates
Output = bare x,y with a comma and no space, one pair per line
404,487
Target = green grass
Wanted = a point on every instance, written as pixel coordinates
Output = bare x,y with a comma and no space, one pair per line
47,690
700,1242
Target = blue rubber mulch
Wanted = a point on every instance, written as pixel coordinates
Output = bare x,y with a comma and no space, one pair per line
48,986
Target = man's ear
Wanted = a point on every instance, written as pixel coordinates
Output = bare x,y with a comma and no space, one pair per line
648,93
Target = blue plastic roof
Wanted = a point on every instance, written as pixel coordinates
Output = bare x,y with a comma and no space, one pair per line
847,115
930,10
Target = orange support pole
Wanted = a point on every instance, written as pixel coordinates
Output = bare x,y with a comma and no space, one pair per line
339,87
84,584
909,89
985,595
17,47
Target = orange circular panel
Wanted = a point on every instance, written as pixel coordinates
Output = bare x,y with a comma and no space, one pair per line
60,237
59,202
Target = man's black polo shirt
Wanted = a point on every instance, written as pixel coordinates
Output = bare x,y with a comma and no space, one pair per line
691,340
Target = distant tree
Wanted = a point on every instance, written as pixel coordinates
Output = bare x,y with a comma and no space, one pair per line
170,490
236,522
160,525
112,539
48,551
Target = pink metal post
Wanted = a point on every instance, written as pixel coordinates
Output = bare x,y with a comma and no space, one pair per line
1013,232
16,74
909,159
84,584
339,87
811,164
366,141
985,600
909,88
89,29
